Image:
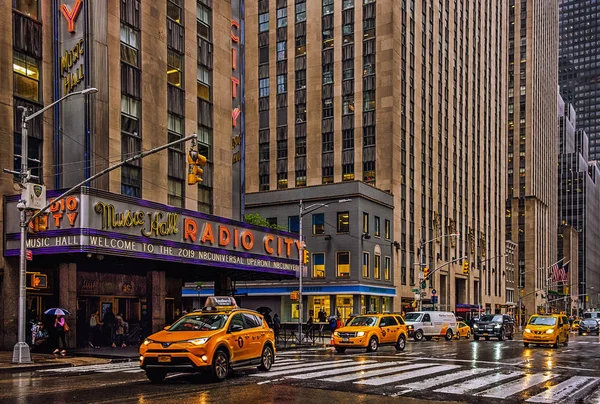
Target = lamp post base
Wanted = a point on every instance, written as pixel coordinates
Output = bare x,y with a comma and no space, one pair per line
21,353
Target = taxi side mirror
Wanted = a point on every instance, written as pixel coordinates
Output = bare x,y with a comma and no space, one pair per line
236,328
167,327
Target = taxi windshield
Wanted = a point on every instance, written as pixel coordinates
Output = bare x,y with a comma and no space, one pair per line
412,317
200,322
542,321
491,319
362,321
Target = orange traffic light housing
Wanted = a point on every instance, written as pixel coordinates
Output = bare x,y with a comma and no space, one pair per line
306,258
195,163
426,272
465,267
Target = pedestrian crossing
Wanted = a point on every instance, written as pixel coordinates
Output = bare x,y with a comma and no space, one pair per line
410,376
125,367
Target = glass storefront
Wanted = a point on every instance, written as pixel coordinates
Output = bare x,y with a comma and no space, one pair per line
318,303
344,305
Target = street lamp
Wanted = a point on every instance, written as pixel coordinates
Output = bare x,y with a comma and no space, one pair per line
304,211
21,352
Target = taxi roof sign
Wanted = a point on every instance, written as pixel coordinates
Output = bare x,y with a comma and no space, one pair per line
220,303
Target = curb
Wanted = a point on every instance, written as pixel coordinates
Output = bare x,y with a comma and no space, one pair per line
33,367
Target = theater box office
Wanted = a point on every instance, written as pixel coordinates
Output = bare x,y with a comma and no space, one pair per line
95,250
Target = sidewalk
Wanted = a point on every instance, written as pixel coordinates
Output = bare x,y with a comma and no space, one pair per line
45,361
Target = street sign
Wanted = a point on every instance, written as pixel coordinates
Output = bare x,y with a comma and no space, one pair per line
423,285
29,255
434,299
420,276
434,292
417,296
415,290
294,295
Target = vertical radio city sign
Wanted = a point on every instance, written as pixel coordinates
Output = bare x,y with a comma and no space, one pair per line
237,107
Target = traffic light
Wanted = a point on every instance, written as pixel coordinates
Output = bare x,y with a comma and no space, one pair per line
466,267
306,258
40,223
195,163
36,280
426,272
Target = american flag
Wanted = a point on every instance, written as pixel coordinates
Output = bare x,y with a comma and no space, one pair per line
563,273
555,273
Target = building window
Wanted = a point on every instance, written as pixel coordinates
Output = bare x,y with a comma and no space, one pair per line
26,77
348,172
377,230
300,12
282,180
348,69
281,83
130,115
34,155
377,267
343,222
327,175
175,130
348,104
369,171
365,223
131,181
263,87
365,265
300,178
347,4
204,83
174,68
327,7
318,261
175,194
204,199
347,139
300,79
368,100
263,22
294,224
328,108
348,33
205,142
387,271
203,21
272,222
328,73
174,10
282,17
388,229
301,117
328,142
129,45
328,38
28,7
343,264
281,50
301,45
318,223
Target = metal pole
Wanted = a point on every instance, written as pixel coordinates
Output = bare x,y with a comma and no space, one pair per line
21,353
300,275
421,265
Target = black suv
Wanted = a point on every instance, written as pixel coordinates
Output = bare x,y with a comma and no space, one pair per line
494,325
589,326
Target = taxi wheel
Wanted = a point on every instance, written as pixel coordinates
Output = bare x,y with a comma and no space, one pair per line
526,344
156,376
266,360
418,335
457,335
448,335
340,349
468,334
373,345
220,365
401,344
556,344
567,340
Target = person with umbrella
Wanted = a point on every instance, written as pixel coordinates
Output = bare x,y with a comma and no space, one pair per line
265,312
58,330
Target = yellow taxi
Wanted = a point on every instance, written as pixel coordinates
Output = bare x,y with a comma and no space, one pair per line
463,330
575,325
370,331
546,329
216,339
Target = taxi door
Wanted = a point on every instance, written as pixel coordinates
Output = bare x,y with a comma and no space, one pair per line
257,335
238,338
389,329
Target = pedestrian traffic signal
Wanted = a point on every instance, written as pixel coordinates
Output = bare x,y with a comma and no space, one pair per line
195,163
306,257
466,267
426,272
40,223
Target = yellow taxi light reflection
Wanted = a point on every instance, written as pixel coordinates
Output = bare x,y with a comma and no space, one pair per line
199,341
147,341
141,358
550,331
527,330
360,334
336,334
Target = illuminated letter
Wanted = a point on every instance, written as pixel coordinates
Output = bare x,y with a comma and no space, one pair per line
268,240
235,24
247,240
224,235
234,115
207,234
71,15
234,84
190,229
288,242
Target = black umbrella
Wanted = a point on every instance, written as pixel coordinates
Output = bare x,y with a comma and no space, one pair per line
264,310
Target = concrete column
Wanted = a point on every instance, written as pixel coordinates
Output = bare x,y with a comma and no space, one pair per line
67,298
156,292
9,300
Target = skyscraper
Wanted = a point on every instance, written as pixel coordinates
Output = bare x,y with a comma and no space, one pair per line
579,65
407,96
531,205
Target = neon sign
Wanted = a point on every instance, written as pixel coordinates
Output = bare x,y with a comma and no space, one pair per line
71,15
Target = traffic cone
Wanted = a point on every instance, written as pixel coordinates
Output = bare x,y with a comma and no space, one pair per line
331,342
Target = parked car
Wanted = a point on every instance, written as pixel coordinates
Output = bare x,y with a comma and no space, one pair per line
494,325
429,324
589,326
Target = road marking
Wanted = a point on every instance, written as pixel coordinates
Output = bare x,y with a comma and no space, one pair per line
472,361
378,381
478,383
516,386
102,368
561,391
443,379
299,365
350,369
133,371
594,398
307,367
378,372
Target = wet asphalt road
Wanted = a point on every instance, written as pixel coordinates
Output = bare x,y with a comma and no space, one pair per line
429,371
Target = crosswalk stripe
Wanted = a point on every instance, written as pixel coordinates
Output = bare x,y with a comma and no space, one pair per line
516,386
133,371
478,382
286,361
378,372
443,379
307,367
561,391
350,369
303,365
378,381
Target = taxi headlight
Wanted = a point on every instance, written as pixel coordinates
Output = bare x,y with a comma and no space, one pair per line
148,341
199,341
475,326
360,334
550,331
410,327
336,334
527,330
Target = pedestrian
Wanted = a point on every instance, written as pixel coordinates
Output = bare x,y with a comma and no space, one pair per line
109,327
276,324
41,338
60,328
332,323
269,320
95,329
119,331
322,318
